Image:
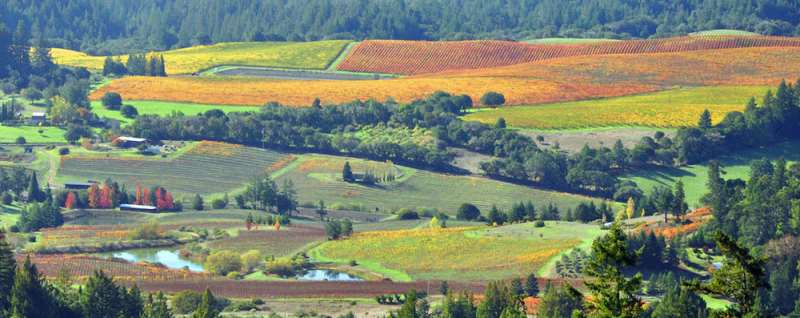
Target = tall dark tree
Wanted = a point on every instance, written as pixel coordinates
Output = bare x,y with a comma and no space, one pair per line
705,120
559,302
679,205
613,294
207,307
30,296
347,172
8,267
6,56
532,285
35,193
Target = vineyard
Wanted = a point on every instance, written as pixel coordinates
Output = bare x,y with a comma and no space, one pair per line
319,178
461,254
421,57
80,267
208,168
665,109
302,55
284,242
548,81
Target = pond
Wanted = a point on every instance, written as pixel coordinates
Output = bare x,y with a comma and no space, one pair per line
169,258
327,275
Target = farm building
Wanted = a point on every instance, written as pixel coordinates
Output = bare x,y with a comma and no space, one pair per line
138,208
129,142
38,118
78,185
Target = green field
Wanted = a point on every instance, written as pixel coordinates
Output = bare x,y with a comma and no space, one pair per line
164,109
668,109
48,135
318,177
473,253
296,55
695,177
210,171
719,32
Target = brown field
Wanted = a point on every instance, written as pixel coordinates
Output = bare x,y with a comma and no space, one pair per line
555,80
81,267
286,241
423,57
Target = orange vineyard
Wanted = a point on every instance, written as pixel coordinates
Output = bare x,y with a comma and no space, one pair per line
422,57
555,80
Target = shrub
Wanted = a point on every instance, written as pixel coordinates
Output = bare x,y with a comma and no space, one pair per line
251,260
6,198
282,267
63,151
218,204
21,140
468,212
493,99
224,262
406,214
197,203
112,100
147,231
8,88
538,223
129,111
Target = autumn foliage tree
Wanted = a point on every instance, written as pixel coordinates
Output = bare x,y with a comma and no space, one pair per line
71,202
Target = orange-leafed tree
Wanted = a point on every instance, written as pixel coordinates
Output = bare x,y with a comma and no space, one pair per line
164,199
94,196
138,195
71,202
146,197
104,200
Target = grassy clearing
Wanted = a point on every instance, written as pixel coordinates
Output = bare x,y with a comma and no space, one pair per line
301,55
695,177
8,219
459,254
164,109
318,177
207,168
672,108
724,32
48,135
573,140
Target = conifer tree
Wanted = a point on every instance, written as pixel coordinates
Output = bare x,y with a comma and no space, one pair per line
29,295
705,120
347,172
206,308
35,193
613,294
8,267
532,285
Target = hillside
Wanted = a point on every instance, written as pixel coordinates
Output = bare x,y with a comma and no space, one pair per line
293,55
548,81
420,57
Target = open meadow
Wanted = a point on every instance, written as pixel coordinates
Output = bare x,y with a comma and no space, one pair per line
35,135
318,177
459,254
164,109
292,55
666,109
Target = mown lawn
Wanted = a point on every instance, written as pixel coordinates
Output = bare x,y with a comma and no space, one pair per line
164,109
48,135
458,254
695,177
667,109
295,55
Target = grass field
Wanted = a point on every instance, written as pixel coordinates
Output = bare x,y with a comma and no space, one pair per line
207,168
48,135
667,109
548,81
695,177
318,177
724,32
457,254
301,55
164,108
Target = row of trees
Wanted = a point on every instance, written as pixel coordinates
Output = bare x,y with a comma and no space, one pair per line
137,64
264,194
120,26
526,212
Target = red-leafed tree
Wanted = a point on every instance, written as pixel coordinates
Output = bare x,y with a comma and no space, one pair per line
94,196
71,202
146,197
164,199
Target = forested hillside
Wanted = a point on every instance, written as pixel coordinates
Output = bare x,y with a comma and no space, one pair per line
114,26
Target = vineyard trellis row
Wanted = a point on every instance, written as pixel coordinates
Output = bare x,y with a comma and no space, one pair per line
424,57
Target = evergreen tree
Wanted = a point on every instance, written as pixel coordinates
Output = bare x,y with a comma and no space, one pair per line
8,266
559,302
102,298
162,68
347,172
497,298
679,205
156,307
20,51
6,56
206,309
30,296
458,307
705,120
532,285
680,302
501,123
613,294
35,193
516,288
197,203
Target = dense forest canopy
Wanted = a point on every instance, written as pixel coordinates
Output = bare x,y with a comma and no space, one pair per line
114,26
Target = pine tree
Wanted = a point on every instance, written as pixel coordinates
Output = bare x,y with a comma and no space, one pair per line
35,193
559,302
532,285
162,68
29,295
613,294
347,172
156,307
8,266
679,205
206,308
5,51
705,120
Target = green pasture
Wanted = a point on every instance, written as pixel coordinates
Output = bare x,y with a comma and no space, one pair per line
164,108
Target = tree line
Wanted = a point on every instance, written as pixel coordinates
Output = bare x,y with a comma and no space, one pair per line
137,64
108,27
